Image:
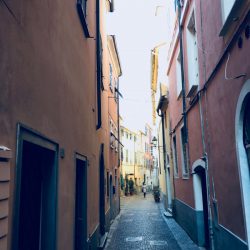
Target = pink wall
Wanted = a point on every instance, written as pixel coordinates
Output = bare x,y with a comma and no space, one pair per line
218,111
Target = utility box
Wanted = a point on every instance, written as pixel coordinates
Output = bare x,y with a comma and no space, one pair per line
5,156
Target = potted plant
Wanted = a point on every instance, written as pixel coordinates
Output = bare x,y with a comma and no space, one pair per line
131,186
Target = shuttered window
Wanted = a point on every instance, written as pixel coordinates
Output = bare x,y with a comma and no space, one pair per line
192,54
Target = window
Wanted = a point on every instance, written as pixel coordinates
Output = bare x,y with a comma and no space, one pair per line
116,91
231,10
110,5
192,56
82,12
176,172
112,132
126,155
116,141
226,7
111,77
178,76
184,154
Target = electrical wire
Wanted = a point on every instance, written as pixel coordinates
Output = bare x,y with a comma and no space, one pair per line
231,78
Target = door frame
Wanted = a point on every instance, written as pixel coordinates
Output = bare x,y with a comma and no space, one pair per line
243,166
83,158
199,200
24,133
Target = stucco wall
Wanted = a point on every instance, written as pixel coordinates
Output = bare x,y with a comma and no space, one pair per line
48,83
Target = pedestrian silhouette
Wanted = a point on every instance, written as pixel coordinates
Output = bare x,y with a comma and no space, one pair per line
144,190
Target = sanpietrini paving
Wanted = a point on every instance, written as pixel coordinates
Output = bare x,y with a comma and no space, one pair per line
141,225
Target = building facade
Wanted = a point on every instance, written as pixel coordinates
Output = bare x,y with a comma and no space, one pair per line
209,118
54,118
161,119
114,71
137,159
166,171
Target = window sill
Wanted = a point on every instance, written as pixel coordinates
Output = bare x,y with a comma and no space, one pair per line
185,176
83,20
233,17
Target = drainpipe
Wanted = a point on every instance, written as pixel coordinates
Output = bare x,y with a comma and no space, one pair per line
163,139
164,148
205,158
182,77
98,67
205,155
118,121
118,124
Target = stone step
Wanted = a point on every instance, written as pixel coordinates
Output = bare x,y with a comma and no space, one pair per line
103,241
168,214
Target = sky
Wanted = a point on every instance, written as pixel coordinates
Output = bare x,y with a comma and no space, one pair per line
138,26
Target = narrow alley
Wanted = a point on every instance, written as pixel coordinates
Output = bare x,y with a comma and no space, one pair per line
142,225
103,100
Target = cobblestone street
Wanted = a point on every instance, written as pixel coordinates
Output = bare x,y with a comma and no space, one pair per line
141,225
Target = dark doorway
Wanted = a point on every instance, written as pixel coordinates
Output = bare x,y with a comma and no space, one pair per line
202,174
35,217
111,196
102,191
81,204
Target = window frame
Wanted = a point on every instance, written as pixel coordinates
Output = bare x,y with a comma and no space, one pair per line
111,77
192,58
184,157
235,12
178,76
223,10
175,157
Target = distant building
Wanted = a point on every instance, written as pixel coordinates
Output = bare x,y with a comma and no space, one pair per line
166,156
113,170
161,119
137,160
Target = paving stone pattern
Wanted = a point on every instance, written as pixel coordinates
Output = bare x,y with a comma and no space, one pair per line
141,225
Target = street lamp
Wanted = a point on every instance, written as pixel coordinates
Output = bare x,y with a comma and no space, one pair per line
154,142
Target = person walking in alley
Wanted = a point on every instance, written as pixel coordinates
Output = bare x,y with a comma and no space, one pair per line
144,190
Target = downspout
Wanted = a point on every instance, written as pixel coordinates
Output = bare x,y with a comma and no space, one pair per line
164,148
182,78
98,67
205,155
163,133
118,124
